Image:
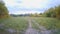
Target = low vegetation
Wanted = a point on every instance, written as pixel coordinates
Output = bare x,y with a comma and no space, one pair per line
49,23
16,23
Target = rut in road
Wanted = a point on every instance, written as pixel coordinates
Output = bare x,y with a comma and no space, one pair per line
30,30
43,30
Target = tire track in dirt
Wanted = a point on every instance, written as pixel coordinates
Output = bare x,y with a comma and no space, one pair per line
43,30
30,30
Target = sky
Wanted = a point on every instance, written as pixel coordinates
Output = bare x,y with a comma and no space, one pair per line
29,6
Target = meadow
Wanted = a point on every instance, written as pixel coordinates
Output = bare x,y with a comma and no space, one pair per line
48,23
21,24
13,23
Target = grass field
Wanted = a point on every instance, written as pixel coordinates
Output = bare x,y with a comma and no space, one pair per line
21,23
16,23
49,23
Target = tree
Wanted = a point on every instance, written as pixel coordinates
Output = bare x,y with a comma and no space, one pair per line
53,12
50,12
3,10
57,10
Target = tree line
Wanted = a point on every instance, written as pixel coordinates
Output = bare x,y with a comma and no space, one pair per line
53,12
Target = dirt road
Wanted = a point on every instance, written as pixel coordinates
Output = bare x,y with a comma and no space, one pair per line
43,30
30,30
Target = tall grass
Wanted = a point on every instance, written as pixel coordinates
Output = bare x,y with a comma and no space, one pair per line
17,23
49,23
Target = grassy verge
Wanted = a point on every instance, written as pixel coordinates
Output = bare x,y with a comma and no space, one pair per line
17,23
49,23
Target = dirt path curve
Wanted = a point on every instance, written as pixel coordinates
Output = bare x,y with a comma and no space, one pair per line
43,30
30,30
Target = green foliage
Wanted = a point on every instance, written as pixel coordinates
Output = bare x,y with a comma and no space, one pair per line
57,10
3,10
40,14
50,13
53,12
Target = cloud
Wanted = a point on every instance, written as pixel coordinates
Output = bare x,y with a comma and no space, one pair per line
27,3
30,5
10,2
